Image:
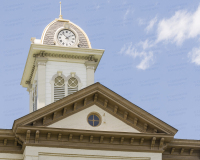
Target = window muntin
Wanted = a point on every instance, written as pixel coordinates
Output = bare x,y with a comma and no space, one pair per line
72,85
72,82
59,81
94,119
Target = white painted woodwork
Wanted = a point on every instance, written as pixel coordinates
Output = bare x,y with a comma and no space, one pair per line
11,156
52,67
90,68
30,100
59,92
90,76
41,82
44,153
79,121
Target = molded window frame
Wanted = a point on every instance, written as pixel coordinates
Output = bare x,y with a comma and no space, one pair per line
59,73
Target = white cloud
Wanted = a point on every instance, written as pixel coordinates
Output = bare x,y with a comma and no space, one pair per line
151,24
147,60
146,44
181,26
194,55
127,12
146,57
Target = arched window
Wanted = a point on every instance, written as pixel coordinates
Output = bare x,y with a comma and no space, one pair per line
62,86
59,88
72,85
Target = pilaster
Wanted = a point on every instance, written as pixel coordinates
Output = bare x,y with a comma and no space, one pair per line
41,81
30,100
90,67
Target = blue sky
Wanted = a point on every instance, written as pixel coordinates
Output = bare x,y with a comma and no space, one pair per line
152,53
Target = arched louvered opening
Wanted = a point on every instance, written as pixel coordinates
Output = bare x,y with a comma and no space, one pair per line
59,88
72,85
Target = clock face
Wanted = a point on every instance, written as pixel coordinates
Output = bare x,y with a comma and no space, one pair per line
66,37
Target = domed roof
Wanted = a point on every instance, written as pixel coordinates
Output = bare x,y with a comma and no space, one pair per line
50,31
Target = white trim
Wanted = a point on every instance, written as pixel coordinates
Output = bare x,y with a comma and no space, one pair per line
66,83
79,81
36,48
52,83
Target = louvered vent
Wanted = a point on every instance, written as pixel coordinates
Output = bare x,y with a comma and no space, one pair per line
59,88
72,85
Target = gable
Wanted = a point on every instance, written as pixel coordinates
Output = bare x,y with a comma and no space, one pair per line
105,99
107,121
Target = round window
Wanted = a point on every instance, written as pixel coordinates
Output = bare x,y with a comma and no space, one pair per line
72,82
94,119
59,81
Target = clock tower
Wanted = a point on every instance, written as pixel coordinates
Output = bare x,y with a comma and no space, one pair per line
59,64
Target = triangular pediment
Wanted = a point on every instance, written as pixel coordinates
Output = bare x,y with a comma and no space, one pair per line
105,121
63,113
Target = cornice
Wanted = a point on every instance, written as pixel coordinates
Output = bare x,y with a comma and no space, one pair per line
9,142
70,138
182,149
6,131
185,143
23,130
68,53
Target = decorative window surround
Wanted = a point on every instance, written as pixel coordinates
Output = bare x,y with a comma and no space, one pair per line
73,74
59,73
59,88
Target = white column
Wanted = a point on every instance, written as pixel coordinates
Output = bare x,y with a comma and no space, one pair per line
90,66
41,82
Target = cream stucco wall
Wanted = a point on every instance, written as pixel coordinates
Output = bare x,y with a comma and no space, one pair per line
44,153
52,67
79,121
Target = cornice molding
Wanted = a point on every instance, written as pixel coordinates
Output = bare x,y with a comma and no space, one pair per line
58,52
182,149
43,54
67,56
101,140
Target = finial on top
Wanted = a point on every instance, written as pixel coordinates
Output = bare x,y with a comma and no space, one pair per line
60,16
